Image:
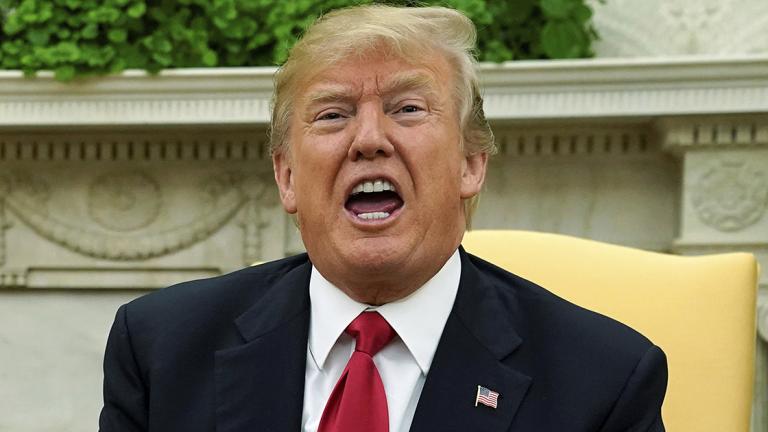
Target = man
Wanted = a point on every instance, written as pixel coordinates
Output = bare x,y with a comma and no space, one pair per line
380,149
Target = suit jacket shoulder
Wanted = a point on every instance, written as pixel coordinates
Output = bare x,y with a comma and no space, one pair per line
587,371
202,309
162,368
548,316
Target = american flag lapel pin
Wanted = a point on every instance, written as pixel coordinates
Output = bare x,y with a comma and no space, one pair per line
487,397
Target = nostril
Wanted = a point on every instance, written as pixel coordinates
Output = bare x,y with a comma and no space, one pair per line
369,144
380,153
361,154
356,155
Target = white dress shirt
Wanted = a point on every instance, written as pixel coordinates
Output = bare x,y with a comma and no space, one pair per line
403,364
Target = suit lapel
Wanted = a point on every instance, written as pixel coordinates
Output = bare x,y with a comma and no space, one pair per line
478,336
260,384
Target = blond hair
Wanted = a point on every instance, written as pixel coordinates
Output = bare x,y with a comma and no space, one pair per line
403,32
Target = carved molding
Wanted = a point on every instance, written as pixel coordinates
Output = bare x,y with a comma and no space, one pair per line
124,201
138,112
12,279
593,139
730,194
624,88
685,134
95,147
4,225
692,16
565,89
630,28
5,188
261,195
177,97
574,141
131,234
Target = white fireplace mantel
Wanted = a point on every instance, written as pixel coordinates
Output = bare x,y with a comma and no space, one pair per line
621,108
113,186
614,107
525,90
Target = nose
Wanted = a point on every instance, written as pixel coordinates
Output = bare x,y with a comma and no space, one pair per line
370,140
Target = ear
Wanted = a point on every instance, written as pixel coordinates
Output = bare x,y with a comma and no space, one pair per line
473,174
281,163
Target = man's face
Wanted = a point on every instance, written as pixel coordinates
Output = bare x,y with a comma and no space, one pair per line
376,175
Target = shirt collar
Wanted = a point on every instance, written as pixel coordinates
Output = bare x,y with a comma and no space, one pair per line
418,319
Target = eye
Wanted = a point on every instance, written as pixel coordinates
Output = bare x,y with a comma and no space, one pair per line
329,116
410,109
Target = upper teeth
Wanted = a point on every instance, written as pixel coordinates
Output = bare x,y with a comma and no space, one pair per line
379,185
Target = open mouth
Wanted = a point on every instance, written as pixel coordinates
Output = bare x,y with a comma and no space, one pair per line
373,200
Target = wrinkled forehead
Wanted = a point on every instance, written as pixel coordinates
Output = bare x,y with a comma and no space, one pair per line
334,86
375,73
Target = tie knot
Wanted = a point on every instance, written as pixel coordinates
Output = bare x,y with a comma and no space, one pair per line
371,332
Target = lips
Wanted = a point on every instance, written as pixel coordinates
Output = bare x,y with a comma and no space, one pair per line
374,199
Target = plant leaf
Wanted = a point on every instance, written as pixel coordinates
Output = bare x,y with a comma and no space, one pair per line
562,39
558,8
64,73
137,10
117,35
210,58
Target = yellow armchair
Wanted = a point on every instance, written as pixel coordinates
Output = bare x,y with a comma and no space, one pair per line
699,310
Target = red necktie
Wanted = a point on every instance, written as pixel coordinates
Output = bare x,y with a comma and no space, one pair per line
358,402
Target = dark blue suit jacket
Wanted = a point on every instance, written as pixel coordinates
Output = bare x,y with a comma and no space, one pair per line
228,354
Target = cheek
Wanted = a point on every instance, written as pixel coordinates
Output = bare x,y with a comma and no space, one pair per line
439,160
438,184
316,168
318,158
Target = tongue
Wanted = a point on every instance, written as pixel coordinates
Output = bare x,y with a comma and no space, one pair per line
386,202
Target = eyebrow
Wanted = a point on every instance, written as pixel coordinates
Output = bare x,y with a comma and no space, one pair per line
401,82
410,81
330,93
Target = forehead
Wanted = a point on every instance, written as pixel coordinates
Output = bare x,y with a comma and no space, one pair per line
377,75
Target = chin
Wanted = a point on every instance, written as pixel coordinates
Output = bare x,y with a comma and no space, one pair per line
375,255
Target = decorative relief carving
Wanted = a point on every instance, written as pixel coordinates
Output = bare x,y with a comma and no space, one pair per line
577,142
132,147
5,188
220,198
124,201
261,193
33,191
630,28
692,16
730,194
3,226
709,132
11,279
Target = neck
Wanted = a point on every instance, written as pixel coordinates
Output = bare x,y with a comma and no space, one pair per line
379,289
380,292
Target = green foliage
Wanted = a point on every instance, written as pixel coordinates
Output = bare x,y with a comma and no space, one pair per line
77,38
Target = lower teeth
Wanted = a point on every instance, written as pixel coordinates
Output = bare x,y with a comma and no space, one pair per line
373,215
